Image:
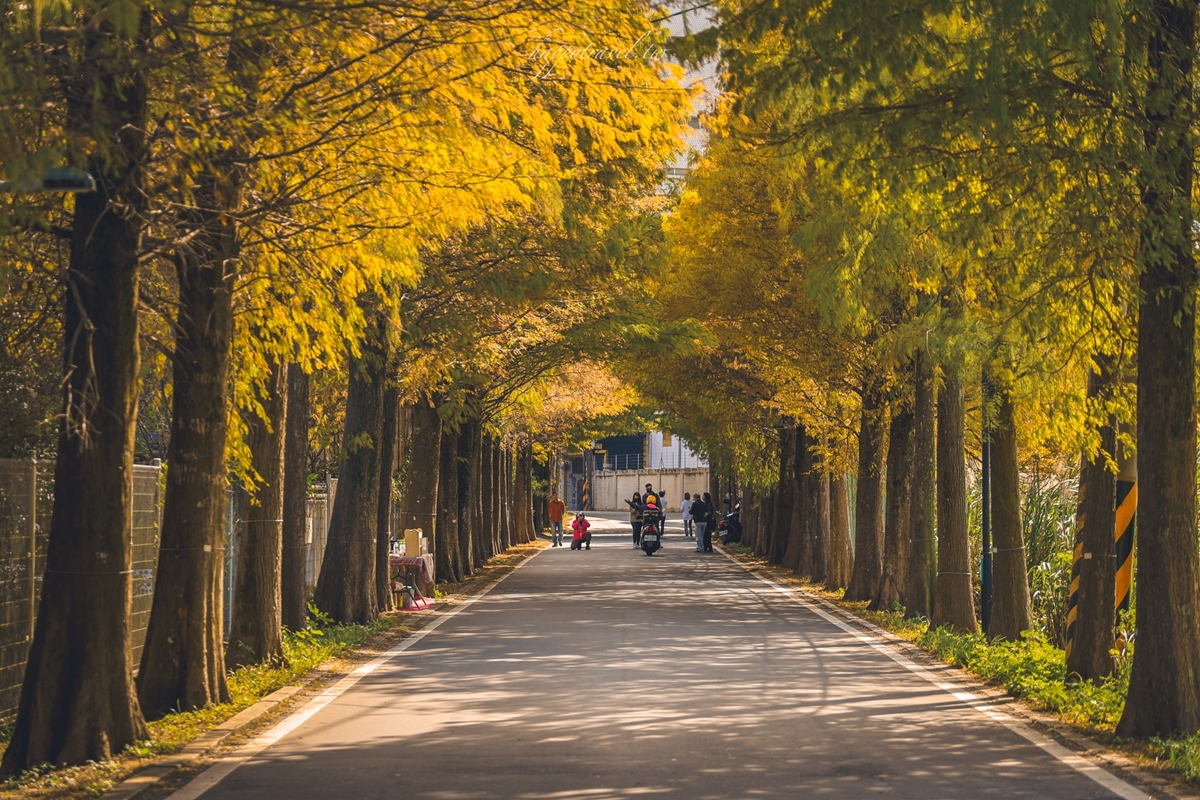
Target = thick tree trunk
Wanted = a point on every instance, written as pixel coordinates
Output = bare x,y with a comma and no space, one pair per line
445,547
922,520
468,471
524,492
541,498
800,553
346,586
819,521
785,492
892,588
1010,597
487,499
841,554
294,591
478,504
183,659
420,497
78,701
1091,621
383,517
1164,683
255,627
955,604
505,491
749,519
868,507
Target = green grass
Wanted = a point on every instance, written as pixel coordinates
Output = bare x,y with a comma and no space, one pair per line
1180,755
1035,670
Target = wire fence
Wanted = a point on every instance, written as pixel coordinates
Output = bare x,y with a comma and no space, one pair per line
26,500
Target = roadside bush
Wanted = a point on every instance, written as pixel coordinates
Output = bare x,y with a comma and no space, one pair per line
1033,669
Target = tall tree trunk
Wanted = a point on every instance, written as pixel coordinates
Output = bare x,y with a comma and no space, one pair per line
183,658
868,507
541,498
899,495
468,470
346,586
383,517
445,547
819,520
255,627
523,493
1091,621
955,604
1164,682
785,491
478,523
294,591
1010,597
801,560
420,497
749,518
506,478
487,499
78,701
841,554
922,521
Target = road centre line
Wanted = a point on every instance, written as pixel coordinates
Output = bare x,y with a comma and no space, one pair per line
225,766
1101,776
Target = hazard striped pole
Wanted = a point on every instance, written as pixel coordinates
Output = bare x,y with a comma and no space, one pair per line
1126,514
1127,494
1073,601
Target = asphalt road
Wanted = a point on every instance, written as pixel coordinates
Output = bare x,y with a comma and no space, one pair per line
609,674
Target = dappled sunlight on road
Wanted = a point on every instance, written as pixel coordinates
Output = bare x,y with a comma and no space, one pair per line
608,674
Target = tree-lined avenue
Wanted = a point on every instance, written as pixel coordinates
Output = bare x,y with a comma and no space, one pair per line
607,674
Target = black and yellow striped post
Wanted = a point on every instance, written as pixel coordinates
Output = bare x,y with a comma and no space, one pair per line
1073,598
1126,513
1127,495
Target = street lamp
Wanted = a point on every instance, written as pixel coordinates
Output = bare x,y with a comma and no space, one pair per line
58,179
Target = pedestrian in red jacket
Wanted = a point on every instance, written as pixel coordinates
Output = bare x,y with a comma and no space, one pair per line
580,538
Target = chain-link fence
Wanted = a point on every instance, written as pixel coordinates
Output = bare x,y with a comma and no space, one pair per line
317,513
26,499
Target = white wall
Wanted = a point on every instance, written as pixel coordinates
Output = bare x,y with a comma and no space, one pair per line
610,489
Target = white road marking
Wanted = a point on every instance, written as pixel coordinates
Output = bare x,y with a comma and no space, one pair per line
224,766
1106,779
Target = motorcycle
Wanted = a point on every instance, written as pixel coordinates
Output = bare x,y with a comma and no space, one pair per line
730,528
651,534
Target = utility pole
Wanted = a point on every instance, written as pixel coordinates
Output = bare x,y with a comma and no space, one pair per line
986,510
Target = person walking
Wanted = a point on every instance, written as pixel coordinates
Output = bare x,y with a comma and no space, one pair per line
555,510
700,514
635,517
685,508
712,522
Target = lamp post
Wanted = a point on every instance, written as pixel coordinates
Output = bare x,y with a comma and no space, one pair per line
59,179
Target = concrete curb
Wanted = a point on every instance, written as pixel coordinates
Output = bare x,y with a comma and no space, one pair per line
214,737
201,745
1114,762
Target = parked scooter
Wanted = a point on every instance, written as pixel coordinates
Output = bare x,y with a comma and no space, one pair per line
730,528
651,532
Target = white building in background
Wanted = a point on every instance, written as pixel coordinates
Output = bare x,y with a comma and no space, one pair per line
686,17
664,451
